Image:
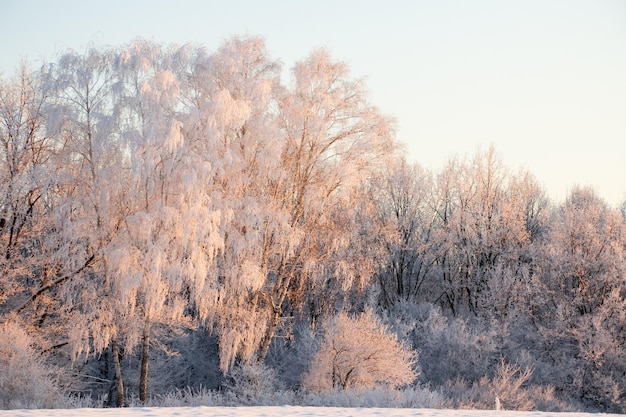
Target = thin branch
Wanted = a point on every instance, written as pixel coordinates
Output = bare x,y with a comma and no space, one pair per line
53,284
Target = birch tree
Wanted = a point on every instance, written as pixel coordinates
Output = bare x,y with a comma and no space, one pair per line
25,180
170,236
282,160
92,197
231,126
333,139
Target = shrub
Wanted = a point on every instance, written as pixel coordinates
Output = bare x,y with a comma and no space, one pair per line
252,384
507,386
412,397
451,348
505,391
359,353
25,382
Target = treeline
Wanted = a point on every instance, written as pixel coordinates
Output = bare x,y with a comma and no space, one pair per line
173,218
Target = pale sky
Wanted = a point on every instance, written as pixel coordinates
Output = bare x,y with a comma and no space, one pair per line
544,81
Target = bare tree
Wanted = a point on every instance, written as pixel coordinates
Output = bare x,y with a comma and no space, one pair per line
483,232
408,229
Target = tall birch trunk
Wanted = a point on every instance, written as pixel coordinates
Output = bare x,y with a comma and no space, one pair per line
269,334
115,352
143,377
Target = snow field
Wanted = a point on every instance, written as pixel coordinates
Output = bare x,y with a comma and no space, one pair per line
281,411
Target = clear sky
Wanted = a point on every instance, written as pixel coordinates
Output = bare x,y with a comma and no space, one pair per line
542,80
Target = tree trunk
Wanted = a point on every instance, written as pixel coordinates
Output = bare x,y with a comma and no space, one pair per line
143,377
269,334
115,352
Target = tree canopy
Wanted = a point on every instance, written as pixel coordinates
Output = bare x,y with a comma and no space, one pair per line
168,207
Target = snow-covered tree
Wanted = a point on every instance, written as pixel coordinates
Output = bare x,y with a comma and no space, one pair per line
283,161
408,226
171,235
26,177
334,138
483,233
580,299
92,193
586,251
232,126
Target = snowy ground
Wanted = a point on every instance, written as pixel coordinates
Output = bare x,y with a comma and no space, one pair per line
279,411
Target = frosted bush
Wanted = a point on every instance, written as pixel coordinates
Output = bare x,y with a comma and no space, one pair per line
507,390
508,387
187,397
25,382
252,384
450,348
359,353
378,397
